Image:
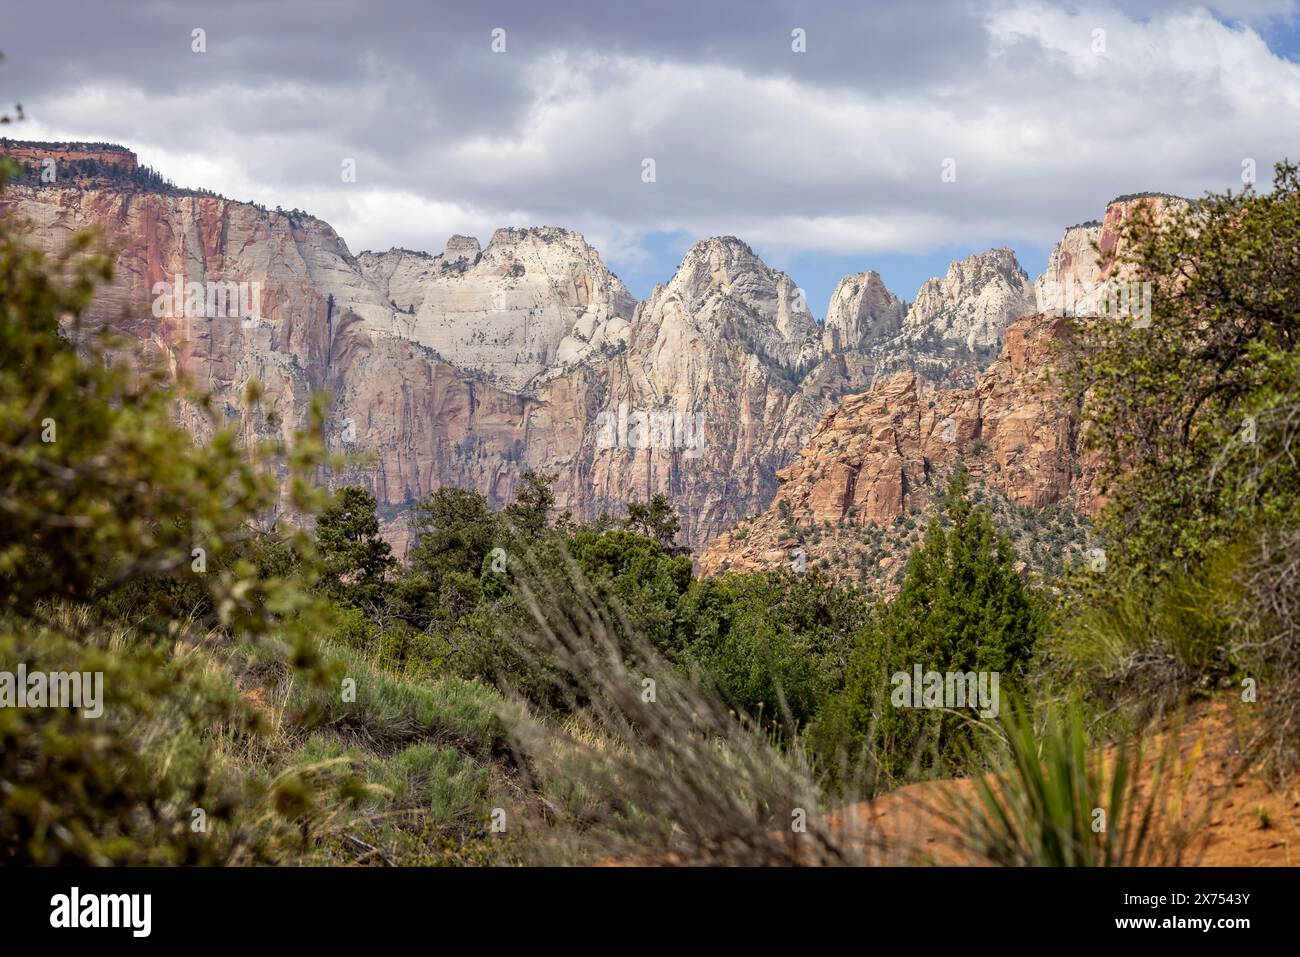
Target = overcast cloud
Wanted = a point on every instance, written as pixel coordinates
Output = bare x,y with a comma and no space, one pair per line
1047,111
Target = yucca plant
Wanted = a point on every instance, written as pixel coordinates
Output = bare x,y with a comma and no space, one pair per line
1061,803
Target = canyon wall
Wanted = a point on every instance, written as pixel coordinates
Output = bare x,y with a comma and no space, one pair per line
469,366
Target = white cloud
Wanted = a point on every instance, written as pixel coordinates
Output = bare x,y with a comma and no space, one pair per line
1043,130
380,218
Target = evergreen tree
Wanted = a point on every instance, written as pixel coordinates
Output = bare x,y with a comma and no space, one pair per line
654,519
528,516
962,607
455,531
775,644
356,560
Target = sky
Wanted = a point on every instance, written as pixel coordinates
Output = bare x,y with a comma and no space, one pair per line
833,137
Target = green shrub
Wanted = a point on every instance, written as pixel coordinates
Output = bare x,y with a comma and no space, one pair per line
775,644
127,548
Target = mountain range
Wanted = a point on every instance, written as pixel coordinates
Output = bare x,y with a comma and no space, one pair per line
472,365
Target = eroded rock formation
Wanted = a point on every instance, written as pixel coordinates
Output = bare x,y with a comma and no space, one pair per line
883,455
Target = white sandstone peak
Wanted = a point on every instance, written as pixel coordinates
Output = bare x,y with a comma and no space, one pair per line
973,303
862,310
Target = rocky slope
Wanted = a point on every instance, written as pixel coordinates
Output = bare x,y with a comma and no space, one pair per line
972,304
954,327
532,303
862,312
722,350
857,498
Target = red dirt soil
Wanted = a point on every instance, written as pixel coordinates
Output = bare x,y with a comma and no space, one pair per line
1242,818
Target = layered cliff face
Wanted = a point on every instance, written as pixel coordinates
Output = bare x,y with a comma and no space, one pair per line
1089,256
467,367
1073,261
104,154
223,291
858,496
716,357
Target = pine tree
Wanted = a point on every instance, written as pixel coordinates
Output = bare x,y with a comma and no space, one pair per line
529,514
